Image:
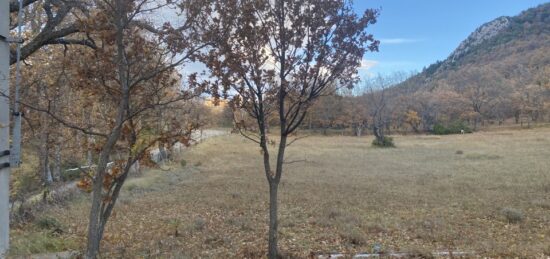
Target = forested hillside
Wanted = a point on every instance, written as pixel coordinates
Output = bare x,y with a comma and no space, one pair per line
500,73
501,70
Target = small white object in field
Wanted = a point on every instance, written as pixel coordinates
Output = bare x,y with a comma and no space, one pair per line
461,131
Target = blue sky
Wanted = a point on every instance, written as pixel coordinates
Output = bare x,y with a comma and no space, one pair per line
415,34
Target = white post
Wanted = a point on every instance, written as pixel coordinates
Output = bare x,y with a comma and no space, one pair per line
4,128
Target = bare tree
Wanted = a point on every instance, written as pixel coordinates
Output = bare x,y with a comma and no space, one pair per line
376,95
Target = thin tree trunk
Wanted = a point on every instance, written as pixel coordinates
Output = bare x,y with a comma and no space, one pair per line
57,162
273,198
44,148
273,220
94,230
89,158
162,156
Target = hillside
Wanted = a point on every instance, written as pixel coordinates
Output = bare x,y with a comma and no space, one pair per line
501,70
503,39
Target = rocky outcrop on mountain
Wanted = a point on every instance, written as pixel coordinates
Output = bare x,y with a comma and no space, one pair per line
510,45
483,33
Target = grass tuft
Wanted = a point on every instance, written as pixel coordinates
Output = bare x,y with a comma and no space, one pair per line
512,215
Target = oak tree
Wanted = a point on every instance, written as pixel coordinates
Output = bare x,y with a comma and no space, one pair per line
278,58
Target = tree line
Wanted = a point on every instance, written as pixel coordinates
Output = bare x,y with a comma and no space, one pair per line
471,98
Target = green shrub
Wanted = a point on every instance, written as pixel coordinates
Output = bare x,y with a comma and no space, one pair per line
386,142
440,130
454,128
72,175
183,163
48,223
512,215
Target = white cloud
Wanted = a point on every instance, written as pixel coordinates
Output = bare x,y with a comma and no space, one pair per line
367,64
399,40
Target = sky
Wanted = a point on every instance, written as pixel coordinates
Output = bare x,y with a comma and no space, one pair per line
415,34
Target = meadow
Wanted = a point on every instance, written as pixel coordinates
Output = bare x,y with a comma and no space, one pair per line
486,193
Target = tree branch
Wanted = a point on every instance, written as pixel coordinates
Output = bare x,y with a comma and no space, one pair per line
14,4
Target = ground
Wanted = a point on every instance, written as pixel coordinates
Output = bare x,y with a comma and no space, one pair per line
486,193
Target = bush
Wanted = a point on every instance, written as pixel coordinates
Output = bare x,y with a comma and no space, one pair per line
72,175
454,128
353,236
386,142
183,163
48,223
440,130
512,215
199,224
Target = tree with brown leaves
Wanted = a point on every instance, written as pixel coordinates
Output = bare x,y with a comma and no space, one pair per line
278,58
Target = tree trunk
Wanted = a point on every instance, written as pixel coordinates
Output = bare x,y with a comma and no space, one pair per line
379,134
44,147
162,156
94,231
89,158
273,220
273,198
45,172
57,163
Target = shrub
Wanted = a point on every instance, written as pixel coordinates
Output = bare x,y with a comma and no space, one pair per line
512,215
440,130
48,223
72,175
353,236
199,224
386,142
183,163
454,128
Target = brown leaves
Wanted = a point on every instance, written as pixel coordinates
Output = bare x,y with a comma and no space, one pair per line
109,177
85,184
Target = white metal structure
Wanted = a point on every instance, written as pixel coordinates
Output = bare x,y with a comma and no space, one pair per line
4,127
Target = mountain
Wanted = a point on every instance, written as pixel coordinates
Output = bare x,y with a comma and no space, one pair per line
500,39
501,70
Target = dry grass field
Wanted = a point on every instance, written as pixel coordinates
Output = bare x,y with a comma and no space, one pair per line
487,193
